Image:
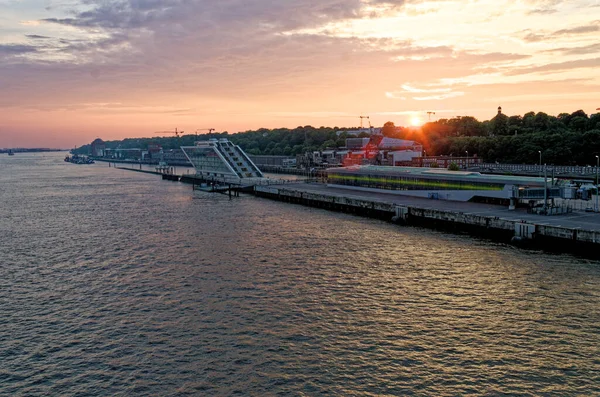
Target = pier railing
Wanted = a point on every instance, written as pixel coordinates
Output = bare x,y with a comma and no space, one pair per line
587,171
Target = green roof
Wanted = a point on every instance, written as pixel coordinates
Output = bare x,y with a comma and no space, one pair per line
438,173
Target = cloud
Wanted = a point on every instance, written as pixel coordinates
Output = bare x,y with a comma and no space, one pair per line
532,37
30,23
291,14
37,37
288,59
583,50
439,97
16,49
429,93
544,7
556,67
542,11
594,27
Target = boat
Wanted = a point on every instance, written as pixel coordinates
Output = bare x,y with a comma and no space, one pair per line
10,152
77,159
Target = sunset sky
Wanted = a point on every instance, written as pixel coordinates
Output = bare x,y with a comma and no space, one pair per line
74,70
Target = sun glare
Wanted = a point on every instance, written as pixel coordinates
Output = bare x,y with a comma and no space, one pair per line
415,121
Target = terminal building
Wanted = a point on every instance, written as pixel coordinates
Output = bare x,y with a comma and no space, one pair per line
443,184
221,159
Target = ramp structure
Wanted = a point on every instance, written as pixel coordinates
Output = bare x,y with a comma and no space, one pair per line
220,159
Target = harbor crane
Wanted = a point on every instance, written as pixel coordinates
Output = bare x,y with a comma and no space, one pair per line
210,131
369,120
177,133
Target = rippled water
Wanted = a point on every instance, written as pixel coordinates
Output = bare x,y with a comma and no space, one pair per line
114,283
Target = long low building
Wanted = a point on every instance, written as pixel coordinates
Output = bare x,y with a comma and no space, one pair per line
446,185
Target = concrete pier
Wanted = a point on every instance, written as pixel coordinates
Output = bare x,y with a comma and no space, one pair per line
576,232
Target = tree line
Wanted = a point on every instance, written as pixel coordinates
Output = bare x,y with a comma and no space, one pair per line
566,139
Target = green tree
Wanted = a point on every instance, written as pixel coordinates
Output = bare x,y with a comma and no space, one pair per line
578,123
389,129
500,125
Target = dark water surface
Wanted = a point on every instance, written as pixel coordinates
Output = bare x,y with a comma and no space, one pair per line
114,283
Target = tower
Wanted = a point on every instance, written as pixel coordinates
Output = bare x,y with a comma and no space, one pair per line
499,109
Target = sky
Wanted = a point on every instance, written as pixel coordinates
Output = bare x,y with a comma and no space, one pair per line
75,70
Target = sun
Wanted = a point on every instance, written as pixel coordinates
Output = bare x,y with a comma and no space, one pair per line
415,121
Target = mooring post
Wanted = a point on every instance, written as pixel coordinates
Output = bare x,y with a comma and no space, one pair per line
230,191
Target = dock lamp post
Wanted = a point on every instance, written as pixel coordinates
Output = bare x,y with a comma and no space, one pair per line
597,164
540,152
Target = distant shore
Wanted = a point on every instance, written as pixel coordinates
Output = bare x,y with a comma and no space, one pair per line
31,150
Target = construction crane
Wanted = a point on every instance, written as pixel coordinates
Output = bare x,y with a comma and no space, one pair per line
361,121
210,130
429,114
177,133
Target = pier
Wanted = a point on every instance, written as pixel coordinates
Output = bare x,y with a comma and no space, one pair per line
578,232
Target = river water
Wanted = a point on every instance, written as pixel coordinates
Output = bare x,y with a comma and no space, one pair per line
115,283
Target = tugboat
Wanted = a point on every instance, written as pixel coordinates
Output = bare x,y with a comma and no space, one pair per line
10,152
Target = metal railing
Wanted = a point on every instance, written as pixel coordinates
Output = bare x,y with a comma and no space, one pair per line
536,168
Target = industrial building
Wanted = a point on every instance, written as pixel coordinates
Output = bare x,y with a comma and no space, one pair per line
381,150
375,150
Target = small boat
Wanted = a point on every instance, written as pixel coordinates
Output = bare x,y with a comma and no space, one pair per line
10,152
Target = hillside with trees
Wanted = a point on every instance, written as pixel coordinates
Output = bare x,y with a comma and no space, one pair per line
564,139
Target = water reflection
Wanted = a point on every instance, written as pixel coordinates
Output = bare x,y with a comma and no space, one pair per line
116,283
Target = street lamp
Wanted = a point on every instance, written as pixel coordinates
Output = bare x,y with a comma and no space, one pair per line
597,164
540,170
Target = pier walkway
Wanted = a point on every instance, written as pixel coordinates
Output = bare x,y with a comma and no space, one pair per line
577,232
584,220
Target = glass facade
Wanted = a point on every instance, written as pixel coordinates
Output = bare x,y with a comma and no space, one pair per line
207,160
221,158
